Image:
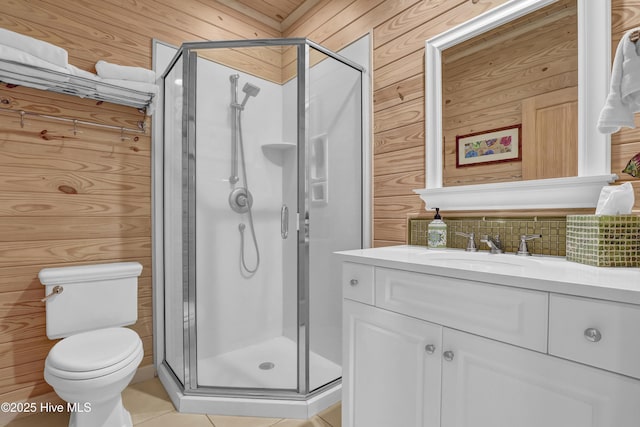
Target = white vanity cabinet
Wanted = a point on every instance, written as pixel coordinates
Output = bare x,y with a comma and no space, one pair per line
428,350
490,384
392,374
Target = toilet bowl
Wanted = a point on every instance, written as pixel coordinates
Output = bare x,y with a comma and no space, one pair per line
97,357
90,370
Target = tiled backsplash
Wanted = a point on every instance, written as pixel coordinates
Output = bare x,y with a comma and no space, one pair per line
553,230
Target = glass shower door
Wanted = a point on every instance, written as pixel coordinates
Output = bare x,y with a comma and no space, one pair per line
245,203
172,197
335,204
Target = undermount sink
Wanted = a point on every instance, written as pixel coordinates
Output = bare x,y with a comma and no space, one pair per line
480,261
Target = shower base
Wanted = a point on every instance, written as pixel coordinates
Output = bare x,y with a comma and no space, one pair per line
270,364
241,368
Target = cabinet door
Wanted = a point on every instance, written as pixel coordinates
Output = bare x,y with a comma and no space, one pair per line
392,369
491,384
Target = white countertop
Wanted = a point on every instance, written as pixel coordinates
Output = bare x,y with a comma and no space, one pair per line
545,273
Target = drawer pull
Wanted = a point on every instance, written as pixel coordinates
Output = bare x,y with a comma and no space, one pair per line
592,334
430,348
448,356
353,282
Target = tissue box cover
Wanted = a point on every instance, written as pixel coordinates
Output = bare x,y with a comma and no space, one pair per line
604,241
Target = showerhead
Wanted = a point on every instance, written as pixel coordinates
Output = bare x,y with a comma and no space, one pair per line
249,90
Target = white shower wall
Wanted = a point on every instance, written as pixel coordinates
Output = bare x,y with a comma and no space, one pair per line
235,311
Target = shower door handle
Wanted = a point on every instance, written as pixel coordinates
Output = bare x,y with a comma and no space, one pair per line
284,222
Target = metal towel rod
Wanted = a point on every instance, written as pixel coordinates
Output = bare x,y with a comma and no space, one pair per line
75,122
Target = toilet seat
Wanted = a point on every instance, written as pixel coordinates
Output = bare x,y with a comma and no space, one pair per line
94,354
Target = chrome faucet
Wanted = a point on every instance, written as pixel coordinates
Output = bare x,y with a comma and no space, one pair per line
523,249
494,243
471,243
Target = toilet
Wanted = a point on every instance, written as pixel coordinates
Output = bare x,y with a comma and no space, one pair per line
89,368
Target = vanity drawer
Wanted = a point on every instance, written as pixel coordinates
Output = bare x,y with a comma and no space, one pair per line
595,332
357,282
516,316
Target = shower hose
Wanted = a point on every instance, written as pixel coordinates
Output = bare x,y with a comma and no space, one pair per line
241,227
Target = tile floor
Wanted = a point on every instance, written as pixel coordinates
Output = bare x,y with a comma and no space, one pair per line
150,406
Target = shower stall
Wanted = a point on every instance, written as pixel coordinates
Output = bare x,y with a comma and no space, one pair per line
262,181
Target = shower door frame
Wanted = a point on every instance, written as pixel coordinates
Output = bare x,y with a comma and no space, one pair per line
190,384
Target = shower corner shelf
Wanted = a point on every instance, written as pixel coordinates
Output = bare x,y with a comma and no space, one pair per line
278,146
275,151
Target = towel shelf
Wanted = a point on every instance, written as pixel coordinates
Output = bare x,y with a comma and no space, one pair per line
17,73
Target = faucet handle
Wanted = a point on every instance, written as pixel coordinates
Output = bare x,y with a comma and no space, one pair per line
523,249
471,243
497,241
526,237
495,246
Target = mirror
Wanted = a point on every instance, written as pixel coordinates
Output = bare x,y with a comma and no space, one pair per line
593,148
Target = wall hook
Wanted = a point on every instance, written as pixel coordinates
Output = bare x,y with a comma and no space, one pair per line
123,138
75,127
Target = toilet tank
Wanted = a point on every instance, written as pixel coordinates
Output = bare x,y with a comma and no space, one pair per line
93,297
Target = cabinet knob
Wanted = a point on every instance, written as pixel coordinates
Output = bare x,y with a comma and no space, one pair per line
448,355
592,334
353,282
430,348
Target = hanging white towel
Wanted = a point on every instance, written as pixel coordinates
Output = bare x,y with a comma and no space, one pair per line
145,93
86,77
107,70
624,92
147,89
46,51
19,67
83,82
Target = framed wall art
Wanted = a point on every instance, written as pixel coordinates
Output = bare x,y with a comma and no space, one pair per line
491,146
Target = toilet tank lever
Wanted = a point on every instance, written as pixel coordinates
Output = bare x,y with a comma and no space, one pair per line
57,289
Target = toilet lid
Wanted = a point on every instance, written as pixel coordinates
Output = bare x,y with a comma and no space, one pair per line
94,350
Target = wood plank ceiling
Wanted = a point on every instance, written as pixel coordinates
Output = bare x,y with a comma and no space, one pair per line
278,14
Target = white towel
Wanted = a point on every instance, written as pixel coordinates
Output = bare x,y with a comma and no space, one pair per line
38,48
21,69
147,89
624,92
85,75
107,70
83,82
146,98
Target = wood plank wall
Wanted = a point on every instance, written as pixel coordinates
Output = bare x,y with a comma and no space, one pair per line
109,217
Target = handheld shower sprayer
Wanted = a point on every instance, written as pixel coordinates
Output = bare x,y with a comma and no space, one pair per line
249,91
240,198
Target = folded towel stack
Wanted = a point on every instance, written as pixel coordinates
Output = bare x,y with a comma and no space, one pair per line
19,67
140,80
34,63
45,51
624,92
107,70
84,82
26,61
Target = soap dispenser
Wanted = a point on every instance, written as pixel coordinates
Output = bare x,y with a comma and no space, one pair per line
437,232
